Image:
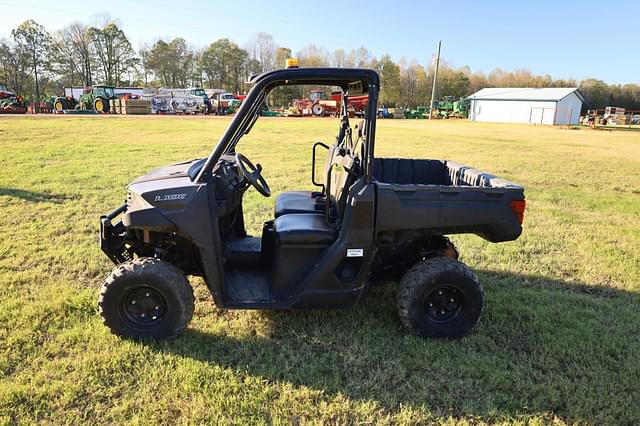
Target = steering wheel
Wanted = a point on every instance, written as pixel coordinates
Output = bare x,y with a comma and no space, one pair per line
253,175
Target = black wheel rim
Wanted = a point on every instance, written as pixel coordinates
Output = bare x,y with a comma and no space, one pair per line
444,304
143,307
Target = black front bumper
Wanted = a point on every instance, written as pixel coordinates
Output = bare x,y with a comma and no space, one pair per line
112,237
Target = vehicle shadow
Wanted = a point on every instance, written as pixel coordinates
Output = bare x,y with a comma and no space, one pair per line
32,196
544,347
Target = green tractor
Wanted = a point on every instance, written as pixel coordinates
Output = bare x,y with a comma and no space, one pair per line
60,103
461,108
97,98
420,112
445,107
450,108
93,98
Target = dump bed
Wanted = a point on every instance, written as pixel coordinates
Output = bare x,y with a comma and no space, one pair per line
441,196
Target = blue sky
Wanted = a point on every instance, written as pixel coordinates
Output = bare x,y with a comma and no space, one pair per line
576,39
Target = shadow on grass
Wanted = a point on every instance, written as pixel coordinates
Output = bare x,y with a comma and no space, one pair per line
31,196
544,347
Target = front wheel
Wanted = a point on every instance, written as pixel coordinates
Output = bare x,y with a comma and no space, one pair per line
146,298
440,297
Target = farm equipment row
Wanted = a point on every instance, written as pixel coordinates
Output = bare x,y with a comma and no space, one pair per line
611,116
102,99
447,108
318,104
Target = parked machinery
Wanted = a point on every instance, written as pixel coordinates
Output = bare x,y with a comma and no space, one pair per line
198,91
615,116
61,103
461,108
10,103
589,119
93,98
97,98
13,105
226,103
384,112
223,102
319,104
449,107
6,93
357,103
420,112
177,101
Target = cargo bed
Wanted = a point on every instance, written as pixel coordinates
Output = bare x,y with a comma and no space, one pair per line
445,197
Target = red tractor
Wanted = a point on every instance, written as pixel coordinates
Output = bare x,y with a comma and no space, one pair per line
317,104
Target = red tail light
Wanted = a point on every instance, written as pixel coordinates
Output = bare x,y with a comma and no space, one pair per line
518,207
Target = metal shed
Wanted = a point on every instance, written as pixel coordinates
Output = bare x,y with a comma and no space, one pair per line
555,105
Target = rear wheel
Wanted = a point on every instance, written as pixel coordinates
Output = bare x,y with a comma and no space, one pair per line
99,105
317,110
440,297
146,298
58,105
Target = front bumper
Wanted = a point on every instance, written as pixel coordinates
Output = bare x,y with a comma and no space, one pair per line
112,237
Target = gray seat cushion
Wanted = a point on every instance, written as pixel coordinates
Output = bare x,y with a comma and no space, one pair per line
296,202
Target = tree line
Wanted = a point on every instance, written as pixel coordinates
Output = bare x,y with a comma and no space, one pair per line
36,63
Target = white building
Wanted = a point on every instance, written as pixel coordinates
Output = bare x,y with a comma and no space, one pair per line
555,105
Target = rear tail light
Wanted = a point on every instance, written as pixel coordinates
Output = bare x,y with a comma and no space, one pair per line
518,207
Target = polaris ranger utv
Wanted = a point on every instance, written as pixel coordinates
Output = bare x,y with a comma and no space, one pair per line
372,218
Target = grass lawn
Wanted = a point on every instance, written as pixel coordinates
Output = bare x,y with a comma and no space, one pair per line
559,341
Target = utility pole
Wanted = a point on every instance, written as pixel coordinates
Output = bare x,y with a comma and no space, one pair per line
435,77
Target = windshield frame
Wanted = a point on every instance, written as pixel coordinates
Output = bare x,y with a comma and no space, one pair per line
250,109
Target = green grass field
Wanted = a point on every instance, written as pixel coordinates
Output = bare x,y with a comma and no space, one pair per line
558,343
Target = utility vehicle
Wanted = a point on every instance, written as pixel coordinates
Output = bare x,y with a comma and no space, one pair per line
371,219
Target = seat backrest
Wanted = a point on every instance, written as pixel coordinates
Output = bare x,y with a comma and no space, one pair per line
342,178
341,174
341,140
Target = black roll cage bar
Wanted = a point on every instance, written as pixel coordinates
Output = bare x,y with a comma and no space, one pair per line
249,111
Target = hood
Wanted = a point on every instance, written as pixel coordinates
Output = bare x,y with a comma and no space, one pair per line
185,169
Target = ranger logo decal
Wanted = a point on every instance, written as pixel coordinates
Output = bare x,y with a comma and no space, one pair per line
170,197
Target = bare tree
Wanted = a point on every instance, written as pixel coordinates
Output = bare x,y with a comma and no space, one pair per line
339,58
80,38
313,56
34,39
114,52
262,48
14,66
362,57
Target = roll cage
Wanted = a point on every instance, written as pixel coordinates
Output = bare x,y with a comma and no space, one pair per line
350,80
